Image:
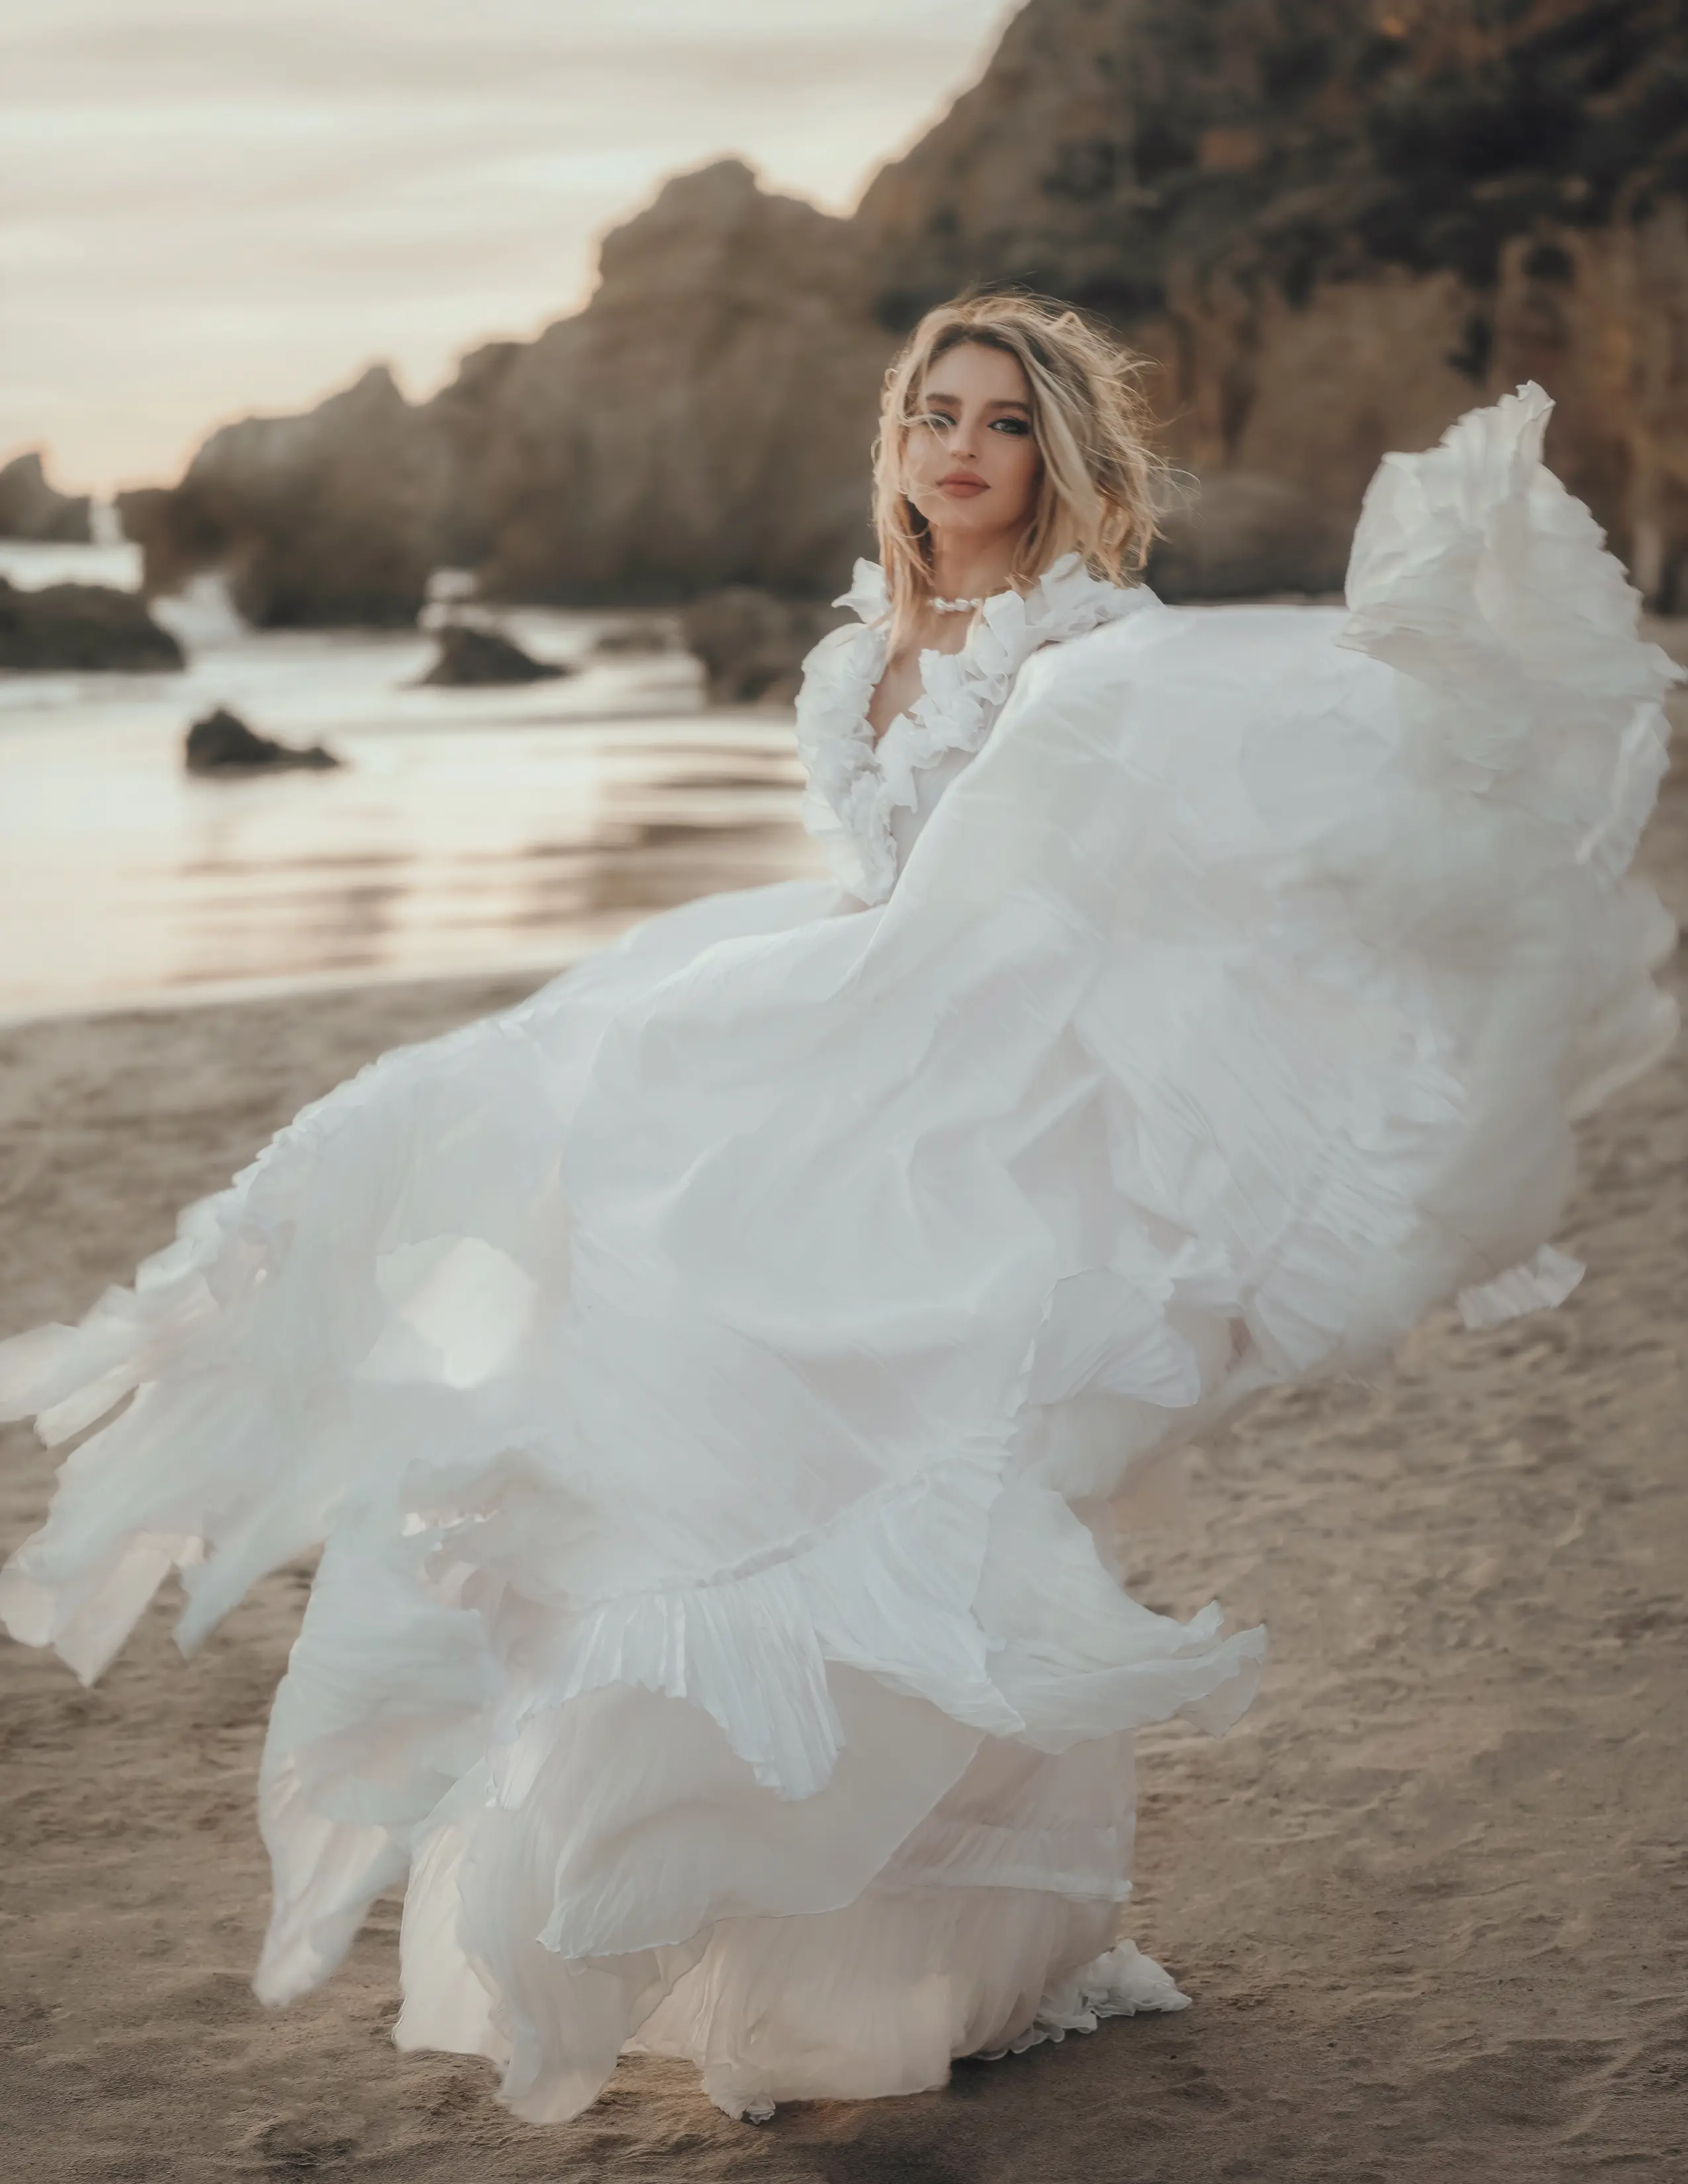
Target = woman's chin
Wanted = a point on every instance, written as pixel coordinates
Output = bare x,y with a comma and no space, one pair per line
966,519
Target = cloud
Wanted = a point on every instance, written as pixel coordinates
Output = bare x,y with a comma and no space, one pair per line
235,204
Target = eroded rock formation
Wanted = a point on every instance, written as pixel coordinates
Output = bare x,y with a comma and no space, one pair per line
1332,224
30,507
702,423
337,516
82,629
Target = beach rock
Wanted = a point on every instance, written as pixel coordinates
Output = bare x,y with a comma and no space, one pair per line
1243,535
471,655
30,508
82,629
752,646
222,743
704,422
334,517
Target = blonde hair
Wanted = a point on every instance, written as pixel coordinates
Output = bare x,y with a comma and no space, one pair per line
1100,492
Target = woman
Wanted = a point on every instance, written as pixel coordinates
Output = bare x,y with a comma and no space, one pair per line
713,1379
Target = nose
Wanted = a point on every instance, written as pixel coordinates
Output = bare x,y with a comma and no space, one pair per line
963,438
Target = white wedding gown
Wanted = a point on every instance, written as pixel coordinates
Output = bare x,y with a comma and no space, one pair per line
710,1379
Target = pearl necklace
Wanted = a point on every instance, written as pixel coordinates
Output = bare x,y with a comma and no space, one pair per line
954,606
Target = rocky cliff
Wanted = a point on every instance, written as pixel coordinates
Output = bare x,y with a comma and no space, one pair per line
1334,224
703,422
337,516
30,507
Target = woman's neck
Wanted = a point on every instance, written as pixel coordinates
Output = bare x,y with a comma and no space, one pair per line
964,568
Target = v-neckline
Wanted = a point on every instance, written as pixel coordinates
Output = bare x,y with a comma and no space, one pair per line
900,720
860,780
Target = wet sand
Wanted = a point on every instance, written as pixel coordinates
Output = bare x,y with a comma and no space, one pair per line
1431,1898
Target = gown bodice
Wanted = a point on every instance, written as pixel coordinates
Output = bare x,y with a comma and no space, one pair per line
868,802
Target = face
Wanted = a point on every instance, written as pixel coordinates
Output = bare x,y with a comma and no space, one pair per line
970,463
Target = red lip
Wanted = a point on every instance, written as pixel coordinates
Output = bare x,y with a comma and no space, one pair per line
961,482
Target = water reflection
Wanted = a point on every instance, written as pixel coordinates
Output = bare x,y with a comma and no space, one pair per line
469,830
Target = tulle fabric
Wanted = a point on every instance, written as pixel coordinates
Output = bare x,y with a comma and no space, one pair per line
711,1378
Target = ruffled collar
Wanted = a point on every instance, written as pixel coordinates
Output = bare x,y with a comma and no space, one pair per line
856,786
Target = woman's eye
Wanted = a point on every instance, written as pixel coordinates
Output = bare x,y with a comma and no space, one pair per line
1016,426
936,421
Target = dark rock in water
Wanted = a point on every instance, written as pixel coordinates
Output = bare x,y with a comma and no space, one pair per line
222,743
753,645
469,656
82,629
30,508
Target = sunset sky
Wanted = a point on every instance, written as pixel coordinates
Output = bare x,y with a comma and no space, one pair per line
215,206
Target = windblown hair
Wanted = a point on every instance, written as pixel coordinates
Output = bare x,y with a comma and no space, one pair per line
1102,486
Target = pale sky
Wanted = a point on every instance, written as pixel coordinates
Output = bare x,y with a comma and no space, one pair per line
208,207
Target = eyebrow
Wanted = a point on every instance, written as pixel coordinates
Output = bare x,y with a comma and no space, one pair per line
955,402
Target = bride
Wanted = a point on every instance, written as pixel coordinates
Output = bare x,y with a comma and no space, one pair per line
715,1379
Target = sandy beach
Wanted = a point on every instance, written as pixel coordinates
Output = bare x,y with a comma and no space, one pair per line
1431,1898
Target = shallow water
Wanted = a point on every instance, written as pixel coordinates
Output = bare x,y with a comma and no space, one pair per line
468,829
